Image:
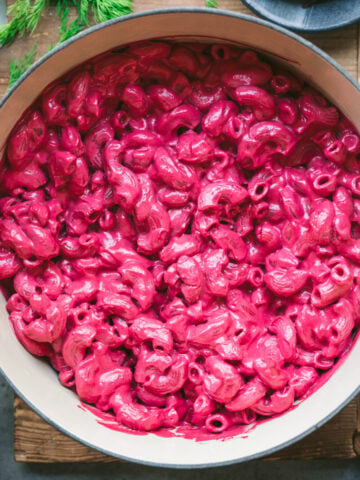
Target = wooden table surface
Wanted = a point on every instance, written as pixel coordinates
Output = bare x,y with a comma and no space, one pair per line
36,441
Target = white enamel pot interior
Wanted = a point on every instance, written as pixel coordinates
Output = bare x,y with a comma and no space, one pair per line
36,382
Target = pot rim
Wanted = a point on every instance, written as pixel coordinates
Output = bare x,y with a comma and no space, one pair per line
89,31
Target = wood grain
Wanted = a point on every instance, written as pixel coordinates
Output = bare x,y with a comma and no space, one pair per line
342,45
35,440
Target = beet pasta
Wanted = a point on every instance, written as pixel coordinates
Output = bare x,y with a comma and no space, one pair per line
180,235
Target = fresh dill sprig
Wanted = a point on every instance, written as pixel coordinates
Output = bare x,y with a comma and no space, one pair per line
18,67
104,10
75,27
101,10
84,11
62,10
67,30
34,15
25,15
211,3
24,19
18,23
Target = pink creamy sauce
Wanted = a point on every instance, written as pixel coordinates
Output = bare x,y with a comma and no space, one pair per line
187,431
201,434
180,237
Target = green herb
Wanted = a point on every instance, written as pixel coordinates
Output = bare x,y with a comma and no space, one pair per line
83,11
107,9
25,15
75,27
18,23
211,3
18,67
34,14
62,10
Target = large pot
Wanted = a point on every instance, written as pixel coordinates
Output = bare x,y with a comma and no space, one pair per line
36,382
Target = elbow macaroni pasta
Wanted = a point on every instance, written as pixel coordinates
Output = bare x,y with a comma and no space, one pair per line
179,235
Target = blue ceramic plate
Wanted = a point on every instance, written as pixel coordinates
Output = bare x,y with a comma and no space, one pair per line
308,15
